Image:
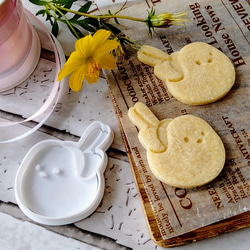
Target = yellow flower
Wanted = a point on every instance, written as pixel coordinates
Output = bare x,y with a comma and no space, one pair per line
92,53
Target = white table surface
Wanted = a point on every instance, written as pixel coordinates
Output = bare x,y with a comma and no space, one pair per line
19,232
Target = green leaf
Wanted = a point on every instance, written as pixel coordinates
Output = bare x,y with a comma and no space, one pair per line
49,18
115,19
40,2
112,28
41,12
83,9
67,5
55,28
90,22
86,25
64,2
79,33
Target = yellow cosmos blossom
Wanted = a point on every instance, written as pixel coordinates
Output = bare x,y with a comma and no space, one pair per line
92,53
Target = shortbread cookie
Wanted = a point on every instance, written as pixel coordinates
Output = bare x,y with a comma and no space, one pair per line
183,152
197,74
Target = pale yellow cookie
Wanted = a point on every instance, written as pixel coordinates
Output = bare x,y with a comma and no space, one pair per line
183,152
151,55
152,132
197,74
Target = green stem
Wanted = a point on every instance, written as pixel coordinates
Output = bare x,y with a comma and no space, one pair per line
56,8
103,17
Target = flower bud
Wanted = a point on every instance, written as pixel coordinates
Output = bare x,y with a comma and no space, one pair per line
165,20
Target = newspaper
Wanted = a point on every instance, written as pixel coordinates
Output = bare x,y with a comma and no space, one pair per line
224,24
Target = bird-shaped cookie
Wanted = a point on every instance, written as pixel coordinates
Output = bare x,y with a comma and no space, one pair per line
184,152
197,74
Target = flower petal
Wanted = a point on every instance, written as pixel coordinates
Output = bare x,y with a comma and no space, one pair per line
107,61
107,46
84,45
100,37
76,79
75,60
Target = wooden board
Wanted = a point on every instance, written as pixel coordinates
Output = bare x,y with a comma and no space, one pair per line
224,226
178,216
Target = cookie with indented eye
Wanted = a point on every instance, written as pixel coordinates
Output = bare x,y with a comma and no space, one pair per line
61,182
197,74
183,152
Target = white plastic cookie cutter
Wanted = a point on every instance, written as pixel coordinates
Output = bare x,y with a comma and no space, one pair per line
61,182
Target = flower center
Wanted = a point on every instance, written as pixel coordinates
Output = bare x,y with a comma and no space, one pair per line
93,66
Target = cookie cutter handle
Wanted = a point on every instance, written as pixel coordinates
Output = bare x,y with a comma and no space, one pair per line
97,136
